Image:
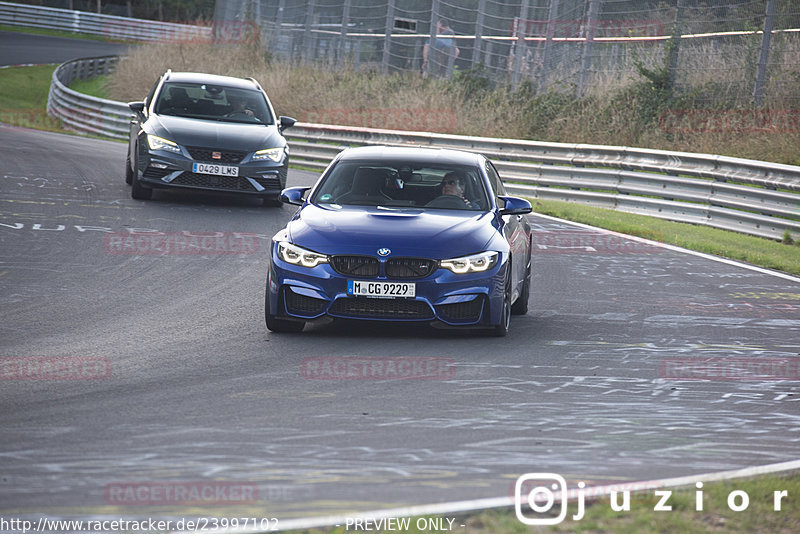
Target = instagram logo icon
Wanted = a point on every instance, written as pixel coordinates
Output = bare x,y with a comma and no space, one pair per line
540,491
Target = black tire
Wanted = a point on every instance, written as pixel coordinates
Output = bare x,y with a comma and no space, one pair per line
275,324
283,173
520,306
128,171
501,329
140,193
272,202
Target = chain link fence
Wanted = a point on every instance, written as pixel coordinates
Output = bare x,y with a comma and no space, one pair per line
714,50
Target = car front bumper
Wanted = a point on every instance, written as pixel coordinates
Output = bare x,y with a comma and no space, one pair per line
443,298
256,178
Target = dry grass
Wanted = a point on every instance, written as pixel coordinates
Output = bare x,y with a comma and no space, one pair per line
302,91
612,113
137,72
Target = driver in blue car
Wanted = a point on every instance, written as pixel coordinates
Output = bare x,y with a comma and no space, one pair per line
453,184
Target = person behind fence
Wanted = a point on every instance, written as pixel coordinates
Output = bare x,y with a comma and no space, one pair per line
436,60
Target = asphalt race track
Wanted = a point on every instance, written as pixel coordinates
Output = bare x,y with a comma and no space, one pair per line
194,389
23,48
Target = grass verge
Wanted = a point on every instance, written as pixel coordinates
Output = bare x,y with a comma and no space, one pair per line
716,516
23,97
96,86
732,245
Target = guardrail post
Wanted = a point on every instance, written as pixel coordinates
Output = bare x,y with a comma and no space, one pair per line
548,45
763,56
477,45
387,41
431,39
520,46
308,38
594,11
343,33
275,38
674,43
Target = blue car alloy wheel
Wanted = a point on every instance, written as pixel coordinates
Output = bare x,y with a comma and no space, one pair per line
402,235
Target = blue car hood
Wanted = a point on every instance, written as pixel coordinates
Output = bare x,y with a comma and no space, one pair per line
436,234
216,134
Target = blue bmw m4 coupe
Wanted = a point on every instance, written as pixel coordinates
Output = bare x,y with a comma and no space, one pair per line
402,235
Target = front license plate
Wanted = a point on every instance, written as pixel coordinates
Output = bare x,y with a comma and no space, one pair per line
381,289
213,168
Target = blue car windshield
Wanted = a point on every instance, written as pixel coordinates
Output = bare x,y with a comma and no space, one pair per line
213,102
381,183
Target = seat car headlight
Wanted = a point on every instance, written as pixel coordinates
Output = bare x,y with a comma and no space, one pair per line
475,263
159,143
275,154
299,256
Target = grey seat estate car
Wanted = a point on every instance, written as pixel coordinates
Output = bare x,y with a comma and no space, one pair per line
207,132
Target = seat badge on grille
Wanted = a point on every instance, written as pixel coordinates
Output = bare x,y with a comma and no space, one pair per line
384,252
216,155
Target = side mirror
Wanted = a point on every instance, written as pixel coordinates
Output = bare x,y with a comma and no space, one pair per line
294,195
137,107
286,122
515,206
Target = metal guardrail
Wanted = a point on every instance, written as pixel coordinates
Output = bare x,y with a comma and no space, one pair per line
83,113
746,196
108,26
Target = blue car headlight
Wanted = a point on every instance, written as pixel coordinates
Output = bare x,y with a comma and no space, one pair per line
474,263
299,256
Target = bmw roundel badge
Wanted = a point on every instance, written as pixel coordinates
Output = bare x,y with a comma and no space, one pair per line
384,252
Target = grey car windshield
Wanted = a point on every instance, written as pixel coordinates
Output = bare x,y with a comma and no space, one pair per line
381,183
213,102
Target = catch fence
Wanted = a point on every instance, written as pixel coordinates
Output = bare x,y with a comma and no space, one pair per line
712,51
